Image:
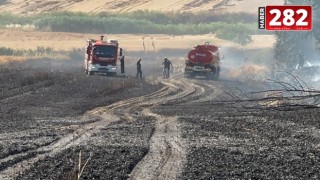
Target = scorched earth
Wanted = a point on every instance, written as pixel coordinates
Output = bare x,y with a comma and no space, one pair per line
58,123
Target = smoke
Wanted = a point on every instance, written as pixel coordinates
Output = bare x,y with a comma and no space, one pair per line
240,64
248,72
152,61
309,50
73,62
245,64
310,74
237,64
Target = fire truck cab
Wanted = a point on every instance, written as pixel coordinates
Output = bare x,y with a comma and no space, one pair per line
101,56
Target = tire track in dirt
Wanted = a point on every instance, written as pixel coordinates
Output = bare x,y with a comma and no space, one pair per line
167,149
72,139
167,153
173,90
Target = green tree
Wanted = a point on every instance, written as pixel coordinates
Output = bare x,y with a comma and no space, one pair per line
290,43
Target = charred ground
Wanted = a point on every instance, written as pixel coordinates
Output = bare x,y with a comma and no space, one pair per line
188,120
45,100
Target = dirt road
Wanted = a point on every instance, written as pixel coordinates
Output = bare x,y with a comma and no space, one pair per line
177,129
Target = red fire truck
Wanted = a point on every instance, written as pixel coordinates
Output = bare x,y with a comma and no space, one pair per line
102,56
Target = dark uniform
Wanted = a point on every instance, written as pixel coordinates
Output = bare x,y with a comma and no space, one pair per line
166,68
139,71
122,64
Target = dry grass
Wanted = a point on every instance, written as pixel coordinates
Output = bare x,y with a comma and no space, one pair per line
12,59
33,6
7,59
19,39
249,72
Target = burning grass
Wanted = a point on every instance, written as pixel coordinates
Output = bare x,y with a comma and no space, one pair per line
249,72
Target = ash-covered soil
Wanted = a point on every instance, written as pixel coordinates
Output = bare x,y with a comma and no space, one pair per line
111,154
182,129
42,101
229,141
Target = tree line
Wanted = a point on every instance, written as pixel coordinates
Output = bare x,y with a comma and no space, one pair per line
289,44
234,27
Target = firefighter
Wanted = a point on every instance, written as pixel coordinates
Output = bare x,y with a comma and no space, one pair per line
301,60
139,71
166,68
122,65
89,49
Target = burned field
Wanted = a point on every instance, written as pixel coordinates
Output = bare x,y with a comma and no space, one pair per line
55,119
111,154
235,142
44,101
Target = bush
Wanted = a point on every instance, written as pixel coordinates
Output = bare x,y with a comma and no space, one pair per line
148,22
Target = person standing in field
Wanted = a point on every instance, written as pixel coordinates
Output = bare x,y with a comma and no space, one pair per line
139,71
122,65
166,68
